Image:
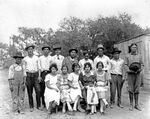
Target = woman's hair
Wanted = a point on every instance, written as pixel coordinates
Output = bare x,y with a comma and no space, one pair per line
88,64
74,65
131,46
53,65
64,66
100,63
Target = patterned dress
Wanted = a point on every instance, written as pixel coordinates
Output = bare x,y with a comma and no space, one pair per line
64,88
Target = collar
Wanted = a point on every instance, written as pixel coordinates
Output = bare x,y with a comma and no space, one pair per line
92,73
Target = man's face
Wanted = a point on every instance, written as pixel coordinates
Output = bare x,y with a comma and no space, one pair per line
100,51
30,50
134,48
57,51
86,56
18,60
46,51
116,55
73,54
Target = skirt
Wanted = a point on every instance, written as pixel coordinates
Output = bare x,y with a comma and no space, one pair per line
51,95
74,93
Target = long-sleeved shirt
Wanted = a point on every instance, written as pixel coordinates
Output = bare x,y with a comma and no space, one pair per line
31,64
117,67
44,62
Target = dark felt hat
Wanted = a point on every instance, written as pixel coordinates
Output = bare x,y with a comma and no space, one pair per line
57,47
18,55
116,50
46,46
73,49
28,46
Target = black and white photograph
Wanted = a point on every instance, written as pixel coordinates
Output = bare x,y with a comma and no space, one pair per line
74,59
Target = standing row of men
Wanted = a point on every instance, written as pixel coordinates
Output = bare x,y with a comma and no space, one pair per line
36,68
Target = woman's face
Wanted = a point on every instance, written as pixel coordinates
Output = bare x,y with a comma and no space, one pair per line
134,48
100,67
87,68
53,69
64,70
77,68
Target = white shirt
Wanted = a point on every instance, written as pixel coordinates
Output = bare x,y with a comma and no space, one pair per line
58,59
105,60
13,68
44,62
83,61
31,64
117,66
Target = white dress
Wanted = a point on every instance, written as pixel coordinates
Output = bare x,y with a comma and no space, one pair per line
90,92
74,78
50,94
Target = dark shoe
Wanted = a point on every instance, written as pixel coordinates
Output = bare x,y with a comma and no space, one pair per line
119,105
137,107
102,113
111,105
31,109
80,109
131,107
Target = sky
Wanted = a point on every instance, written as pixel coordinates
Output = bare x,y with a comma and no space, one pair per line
48,13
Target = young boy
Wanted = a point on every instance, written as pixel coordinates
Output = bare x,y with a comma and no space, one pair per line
16,80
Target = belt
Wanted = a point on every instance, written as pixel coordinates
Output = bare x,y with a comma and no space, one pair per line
116,74
31,72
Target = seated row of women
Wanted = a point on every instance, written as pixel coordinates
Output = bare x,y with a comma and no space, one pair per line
70,89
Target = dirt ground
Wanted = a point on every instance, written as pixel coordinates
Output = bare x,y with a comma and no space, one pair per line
115,113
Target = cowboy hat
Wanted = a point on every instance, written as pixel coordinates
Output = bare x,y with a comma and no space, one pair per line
100,46
57,47
116,50
73,49
46,46
18,55
28,46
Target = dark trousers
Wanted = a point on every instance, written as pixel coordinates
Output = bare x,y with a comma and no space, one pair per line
32,82
116,84
42,87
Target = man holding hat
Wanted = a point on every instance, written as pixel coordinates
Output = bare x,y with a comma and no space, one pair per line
117,71
70,60
33,76
101,57
16,80
44,64
57,58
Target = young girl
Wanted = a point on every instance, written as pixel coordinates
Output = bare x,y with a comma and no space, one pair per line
64,89
101,88
88,80
16,80
75,91
52,93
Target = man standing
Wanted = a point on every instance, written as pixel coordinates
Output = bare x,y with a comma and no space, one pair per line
32,79
103,58
70,60
117,71
57,58
44,64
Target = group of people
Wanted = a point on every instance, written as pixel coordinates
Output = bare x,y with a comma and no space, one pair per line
73,84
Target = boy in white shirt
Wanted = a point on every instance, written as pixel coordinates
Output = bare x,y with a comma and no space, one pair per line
44,63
